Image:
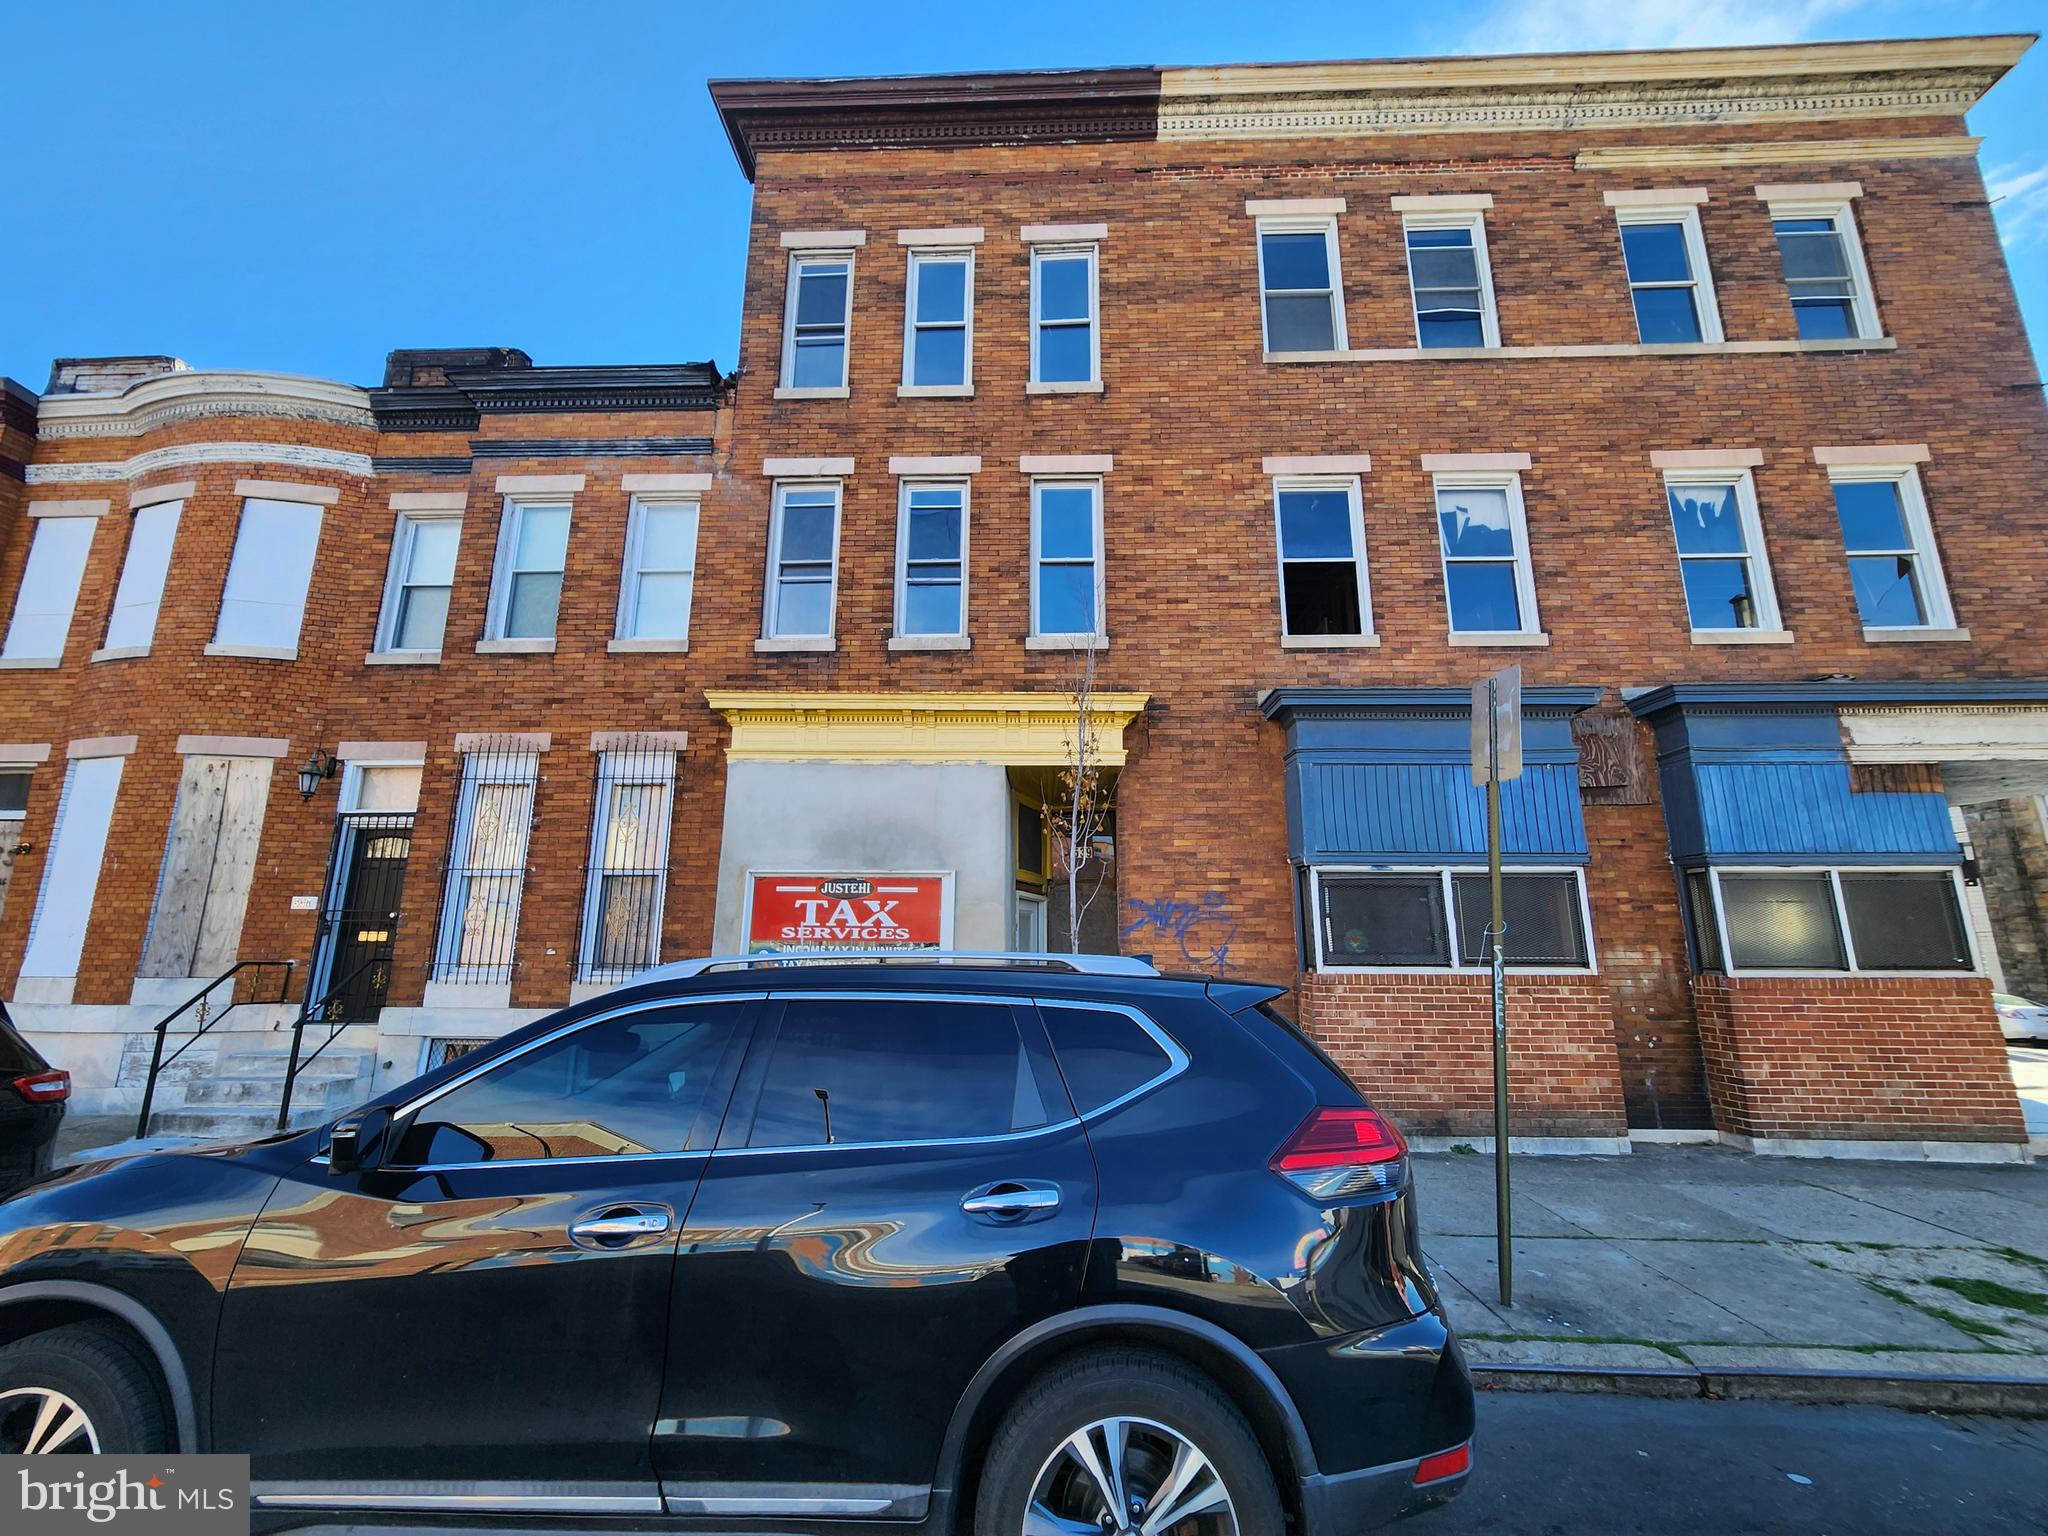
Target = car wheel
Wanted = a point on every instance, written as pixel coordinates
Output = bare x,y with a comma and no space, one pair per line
1126,1443
81,1389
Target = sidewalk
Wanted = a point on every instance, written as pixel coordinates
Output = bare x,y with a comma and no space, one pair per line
1710,1258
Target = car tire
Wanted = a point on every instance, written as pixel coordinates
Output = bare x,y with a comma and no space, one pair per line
101,1372
1168,1399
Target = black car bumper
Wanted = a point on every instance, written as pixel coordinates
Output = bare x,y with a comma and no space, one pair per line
28,1142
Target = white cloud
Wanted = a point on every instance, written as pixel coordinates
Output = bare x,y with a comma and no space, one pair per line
1554,26
2019,200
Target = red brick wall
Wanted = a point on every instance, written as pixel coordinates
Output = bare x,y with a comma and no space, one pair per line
1861,1058
1421,1046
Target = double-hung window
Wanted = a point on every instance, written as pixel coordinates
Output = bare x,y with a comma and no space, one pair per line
49,591
931,562
803,561
660,571
264,602
1484,539
1066,560
1439,919
1668,278
486,866
1825,275
629,841
421,578
132,625
1852,919
1893,565
938,322
818,318
533,551
1451,280
1300,289
1721,558
1324,590
1065,347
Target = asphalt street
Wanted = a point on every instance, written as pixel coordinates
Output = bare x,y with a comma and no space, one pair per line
1565,1464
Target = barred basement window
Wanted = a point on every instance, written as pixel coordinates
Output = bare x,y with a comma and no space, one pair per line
487,863
1840,920
627,877
1404,920
1385,920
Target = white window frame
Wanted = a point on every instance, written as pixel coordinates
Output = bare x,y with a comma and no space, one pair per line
510,523
798,260
397,580
965,487
1769,621
140,643
41,588
634,767
1444,873
918,257
1093,251
1326,227
1518,524
1354,494
510,768
633,569
1100,634
1687,216
1475,221
769,631
1834,872
1842,213
1940,612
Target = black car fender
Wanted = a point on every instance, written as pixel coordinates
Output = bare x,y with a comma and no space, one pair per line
177,1382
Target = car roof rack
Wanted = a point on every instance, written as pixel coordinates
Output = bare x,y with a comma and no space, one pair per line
1081,965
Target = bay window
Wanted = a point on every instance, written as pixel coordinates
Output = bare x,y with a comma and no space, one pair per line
1848,919
1439,918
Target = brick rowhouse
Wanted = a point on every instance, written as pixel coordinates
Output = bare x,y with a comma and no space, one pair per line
1291,800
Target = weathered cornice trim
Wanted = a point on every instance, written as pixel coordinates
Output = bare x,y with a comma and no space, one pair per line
167,399
1285,704
1017,729
589,447
184,454
423,408
1946,146
425,464
640,387
1830,696
17,407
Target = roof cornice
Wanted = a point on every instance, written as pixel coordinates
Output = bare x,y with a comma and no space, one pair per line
1285,704
473,393
1829,695
193,395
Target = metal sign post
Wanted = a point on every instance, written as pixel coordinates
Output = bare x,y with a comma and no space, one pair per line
1497,755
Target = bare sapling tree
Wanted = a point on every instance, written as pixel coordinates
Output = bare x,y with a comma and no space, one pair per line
1080,817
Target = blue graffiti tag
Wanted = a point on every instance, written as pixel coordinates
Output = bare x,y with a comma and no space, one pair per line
1203,930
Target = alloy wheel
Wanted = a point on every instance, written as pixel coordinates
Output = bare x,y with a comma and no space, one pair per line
41,1421
1129,1477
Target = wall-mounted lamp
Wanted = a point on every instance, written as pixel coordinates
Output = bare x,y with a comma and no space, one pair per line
319,766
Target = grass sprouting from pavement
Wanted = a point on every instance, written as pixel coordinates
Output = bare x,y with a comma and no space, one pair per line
1989,1293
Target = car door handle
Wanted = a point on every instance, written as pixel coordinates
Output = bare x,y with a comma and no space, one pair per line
620,1226
1011,1199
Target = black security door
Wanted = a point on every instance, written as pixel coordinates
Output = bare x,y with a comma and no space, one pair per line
362,914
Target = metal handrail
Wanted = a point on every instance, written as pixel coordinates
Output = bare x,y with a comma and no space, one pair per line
307,1010
157,1060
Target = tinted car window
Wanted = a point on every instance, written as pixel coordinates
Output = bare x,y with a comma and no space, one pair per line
881,1069
1102,1054
629,1084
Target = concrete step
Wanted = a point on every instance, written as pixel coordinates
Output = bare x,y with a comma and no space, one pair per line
325,1088
336,1059
220,1122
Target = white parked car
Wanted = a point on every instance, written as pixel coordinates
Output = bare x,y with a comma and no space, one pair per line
2019,1019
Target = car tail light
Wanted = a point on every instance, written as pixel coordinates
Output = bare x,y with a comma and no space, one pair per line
1455,1462
1338,1151
44,1087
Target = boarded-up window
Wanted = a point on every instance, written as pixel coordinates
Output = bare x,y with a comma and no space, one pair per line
208,863
13,808
56,934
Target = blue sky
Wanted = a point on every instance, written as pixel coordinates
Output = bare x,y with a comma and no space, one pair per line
303,187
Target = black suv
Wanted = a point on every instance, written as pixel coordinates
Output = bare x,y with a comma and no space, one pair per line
1047,1247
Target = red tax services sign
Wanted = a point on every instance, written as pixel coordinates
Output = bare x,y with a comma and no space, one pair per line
824,912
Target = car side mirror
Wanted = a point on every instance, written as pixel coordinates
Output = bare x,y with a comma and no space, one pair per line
357,1144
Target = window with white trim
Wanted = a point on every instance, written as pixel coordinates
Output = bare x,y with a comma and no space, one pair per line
931,559
803,560
660,572
132,624
533,551
1066,559
1451,280
1825,275
1065,348
1890,543
263,603
1439,918
628,873
1720,542
1668,278
1853,918
1324,588
1301,289
938,320
486,866
1483,537
417,587
817,320
49,589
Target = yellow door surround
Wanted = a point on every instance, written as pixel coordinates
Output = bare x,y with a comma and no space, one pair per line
1015,729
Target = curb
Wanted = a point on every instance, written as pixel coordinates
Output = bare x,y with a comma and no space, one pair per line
2014,1396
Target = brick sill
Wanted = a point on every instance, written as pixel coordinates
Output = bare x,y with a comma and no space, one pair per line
1328,642
1066,642
931,643
813,392
1914,636
1590,349
1742,637
1502,641
770,643
253,652
30,663
516,647
119,653
935,391
402,659
1065,387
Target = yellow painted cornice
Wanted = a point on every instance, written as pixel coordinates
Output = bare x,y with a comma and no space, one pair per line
1014,729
